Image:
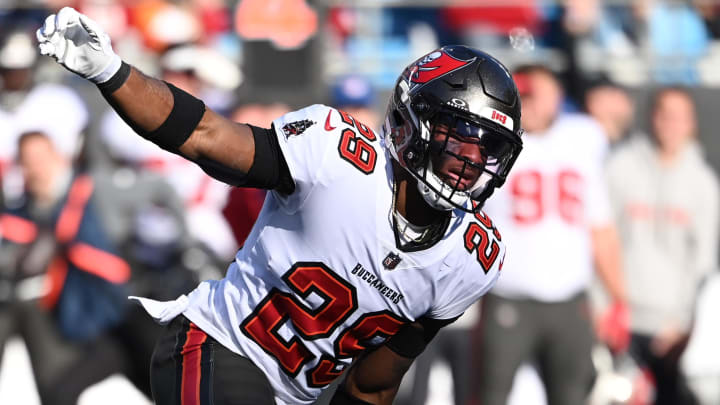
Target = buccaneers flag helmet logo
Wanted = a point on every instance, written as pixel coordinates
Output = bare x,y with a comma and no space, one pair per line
433,66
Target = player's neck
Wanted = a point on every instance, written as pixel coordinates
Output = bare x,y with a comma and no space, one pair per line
410,204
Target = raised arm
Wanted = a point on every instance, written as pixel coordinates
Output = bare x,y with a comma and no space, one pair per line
148,103
162,113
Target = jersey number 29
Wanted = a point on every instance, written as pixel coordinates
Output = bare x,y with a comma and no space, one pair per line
357,149
339,301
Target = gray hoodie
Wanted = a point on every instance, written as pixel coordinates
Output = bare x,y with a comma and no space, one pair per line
667,216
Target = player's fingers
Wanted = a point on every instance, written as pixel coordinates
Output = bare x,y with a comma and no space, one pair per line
40,36
48,27
46,48
88,24
65,17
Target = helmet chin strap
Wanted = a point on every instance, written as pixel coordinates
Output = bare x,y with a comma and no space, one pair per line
433,199
409,236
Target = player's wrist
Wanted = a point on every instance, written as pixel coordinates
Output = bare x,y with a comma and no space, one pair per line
116,80
111,69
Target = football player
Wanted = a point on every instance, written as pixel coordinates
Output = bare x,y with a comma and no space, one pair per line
367,244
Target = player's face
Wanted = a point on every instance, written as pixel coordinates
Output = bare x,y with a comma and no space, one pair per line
458,156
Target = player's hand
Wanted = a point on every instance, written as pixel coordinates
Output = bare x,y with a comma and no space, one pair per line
79,44
614,327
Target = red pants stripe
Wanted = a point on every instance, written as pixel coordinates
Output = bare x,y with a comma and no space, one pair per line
191,367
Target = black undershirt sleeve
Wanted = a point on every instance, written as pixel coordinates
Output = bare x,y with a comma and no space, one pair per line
269,169
411,340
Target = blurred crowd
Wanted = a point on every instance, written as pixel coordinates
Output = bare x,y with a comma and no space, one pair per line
611,217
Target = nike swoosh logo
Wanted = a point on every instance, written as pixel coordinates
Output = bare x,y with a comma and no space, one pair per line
327,122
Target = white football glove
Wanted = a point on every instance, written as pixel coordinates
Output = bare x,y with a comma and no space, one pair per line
79,44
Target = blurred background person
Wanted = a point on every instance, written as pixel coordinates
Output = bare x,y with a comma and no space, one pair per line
68,282
28,103
68,244
665,198
355,95
612,107
555,215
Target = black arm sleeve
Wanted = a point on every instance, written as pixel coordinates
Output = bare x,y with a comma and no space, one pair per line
412,339
269,169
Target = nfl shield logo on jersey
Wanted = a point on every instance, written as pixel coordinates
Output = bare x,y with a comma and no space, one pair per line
391,261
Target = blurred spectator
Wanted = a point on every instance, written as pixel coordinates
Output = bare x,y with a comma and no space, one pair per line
138,220
612,107
26,105
355,95
677,38
554,212
17,60
665,198
66,282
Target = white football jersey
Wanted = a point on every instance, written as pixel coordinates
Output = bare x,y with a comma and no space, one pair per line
320,277
553,196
